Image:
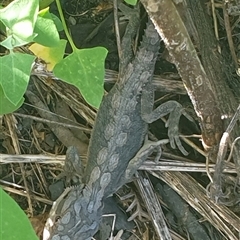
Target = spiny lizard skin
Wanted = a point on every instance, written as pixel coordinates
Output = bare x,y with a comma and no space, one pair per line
117,137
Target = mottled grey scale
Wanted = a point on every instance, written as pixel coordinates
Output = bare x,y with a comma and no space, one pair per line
149,57
56,237
145,75
90,207
77,206
87,192
105,180
127,121
60,228
99,197
131,106
65,238
111,148
154,40
121,139
116,101
67,203
139,89
109,131
66,218
111,145
93,194
102,154
113,162
127,173
86,228
94,175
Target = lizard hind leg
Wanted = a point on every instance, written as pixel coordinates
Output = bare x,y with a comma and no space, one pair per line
145,151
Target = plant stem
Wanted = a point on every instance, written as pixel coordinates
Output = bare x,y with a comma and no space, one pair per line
65,26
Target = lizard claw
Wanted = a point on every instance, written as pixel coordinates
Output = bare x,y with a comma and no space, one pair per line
179,145
187,115
172,124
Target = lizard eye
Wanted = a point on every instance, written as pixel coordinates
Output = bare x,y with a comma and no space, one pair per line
57,218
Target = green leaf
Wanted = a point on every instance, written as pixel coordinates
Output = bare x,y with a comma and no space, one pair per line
15,70
19,17
44,3
85,69
131,2
13,41
6,106
57,22
14,224
47,34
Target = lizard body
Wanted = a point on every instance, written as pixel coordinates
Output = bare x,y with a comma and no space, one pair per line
115,150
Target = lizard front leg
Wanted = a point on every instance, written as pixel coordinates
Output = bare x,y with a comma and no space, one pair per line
173,108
